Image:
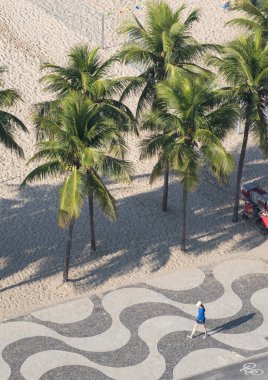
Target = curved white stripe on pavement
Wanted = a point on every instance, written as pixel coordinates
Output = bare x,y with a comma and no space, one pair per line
182,280
256,339
69,312
38,364
229,303
204,360
151,331
115,337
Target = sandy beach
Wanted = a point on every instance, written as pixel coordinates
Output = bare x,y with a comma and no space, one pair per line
143,240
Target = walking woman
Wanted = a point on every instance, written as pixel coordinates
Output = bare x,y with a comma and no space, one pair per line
200,319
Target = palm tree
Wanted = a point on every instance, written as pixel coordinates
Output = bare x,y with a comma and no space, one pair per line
256,16
244,65
8,122
163,41
84,146
86,74
187,131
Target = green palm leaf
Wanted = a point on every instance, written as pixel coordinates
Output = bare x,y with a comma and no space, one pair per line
9,123
41,172
71,197
102,195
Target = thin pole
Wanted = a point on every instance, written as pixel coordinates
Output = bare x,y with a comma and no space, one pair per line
102,30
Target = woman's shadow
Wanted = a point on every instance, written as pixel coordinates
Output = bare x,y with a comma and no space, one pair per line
232,324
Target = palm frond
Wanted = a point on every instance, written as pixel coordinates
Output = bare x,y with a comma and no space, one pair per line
8,97
146,98
13,120
159,168
115,168
102,195
191,18
48,169
244,23
220,161
71,198
7,138
134,53
136,84
155,144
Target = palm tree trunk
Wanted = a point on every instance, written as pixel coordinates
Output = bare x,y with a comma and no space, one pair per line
240,171
68,252
91,220
165,191
184,216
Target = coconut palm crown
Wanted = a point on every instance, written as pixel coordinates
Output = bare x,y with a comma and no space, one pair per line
163,40
88,74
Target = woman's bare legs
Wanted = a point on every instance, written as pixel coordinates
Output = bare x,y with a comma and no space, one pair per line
194,330
205,329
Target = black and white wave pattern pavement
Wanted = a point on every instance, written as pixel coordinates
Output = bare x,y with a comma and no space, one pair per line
140,331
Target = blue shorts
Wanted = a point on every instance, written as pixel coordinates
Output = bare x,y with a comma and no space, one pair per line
200,321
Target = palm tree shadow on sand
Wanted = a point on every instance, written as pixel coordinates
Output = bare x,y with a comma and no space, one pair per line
33,247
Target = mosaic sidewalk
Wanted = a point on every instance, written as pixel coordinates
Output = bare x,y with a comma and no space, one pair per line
140,331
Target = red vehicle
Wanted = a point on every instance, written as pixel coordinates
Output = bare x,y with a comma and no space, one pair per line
256,206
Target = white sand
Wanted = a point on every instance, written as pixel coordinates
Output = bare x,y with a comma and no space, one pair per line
143,240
